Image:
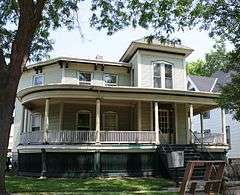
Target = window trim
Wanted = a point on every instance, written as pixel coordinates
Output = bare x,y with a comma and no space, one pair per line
163,77
104,120
38,75
90,119
85,82
40,116
110,84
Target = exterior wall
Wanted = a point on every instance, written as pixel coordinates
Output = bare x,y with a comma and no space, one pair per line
146,71
71,74
146,116
182,133
135,61
214,123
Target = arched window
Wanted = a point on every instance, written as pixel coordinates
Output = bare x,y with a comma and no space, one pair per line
83,120
110,121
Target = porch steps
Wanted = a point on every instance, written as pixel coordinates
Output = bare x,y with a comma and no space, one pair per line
190,154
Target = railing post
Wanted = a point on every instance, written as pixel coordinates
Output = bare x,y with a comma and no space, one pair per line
98,121
46,120
223,117
191,123
156,122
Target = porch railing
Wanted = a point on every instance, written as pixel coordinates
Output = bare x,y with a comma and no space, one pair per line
34,137
127,137
209,138
71,137
80,137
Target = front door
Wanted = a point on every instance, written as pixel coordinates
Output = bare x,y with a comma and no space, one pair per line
164,125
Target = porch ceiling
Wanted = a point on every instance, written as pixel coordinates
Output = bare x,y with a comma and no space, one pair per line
128,94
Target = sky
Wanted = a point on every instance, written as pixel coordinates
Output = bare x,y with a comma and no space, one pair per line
71,44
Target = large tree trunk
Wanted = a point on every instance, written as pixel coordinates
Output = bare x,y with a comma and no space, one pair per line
5,125
30,17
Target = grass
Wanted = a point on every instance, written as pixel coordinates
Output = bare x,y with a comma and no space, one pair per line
90,185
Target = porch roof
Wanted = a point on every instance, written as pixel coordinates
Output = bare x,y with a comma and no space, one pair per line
117,93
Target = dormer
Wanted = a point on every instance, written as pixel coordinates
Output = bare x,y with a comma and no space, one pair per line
157,65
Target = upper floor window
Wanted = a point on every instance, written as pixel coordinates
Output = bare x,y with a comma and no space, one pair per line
157,76
38,79
36,122
84,120
110,121
110,79
163,75
85,78
168,76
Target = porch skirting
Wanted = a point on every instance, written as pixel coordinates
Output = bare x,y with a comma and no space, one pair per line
85,164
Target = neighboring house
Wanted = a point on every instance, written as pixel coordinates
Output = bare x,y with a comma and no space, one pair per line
212,119
80,117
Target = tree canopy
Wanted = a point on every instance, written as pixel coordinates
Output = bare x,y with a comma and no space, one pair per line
214,61
25,27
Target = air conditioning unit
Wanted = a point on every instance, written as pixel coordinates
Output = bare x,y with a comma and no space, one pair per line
175,159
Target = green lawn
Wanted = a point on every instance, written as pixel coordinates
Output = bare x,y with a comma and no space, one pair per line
78,186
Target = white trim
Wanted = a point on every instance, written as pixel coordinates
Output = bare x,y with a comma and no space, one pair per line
63,74
214,84
110,84
192,83
85,82
139,69
84,112
104,120
40,119
38,75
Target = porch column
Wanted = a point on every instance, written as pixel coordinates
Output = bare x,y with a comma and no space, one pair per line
98,121
46,121
23,119
60,116
156,122
139,114
26,120
202,128
223,117
191,123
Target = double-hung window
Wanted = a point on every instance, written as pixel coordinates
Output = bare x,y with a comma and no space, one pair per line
110,79
85,78
157,75
36,122
163,75
38,80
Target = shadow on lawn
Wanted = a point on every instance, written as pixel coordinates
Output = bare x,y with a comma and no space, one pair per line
22,184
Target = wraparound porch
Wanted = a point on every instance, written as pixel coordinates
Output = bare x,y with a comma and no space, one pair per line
82,121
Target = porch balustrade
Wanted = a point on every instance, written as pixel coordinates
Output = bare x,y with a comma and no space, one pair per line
81,137
209,138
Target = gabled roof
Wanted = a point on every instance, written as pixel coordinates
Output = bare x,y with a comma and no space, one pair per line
223,78
155,45
201,83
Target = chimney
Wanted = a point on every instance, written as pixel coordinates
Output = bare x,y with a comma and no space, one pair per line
99,57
